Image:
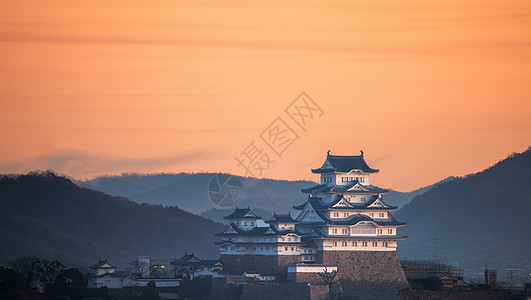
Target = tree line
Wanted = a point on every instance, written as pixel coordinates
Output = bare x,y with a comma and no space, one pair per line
30,277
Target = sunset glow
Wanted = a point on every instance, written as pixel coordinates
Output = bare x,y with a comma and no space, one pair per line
426,89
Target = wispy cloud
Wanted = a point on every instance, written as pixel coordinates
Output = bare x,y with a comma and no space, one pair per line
319,45
381,158
82,165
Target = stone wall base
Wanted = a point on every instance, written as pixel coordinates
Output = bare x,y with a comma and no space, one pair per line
367,274
292,292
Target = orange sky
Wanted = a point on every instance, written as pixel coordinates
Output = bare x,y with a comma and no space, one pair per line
427,89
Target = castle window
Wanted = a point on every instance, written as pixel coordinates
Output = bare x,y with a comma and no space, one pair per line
252,223
390,231
364,244
345,215
345,231
375,244
355,244
286,248
245,224
382,215
380,231
335,243
231,248
385,244
289,239
291,248
336,215
372,214
267,248
254,248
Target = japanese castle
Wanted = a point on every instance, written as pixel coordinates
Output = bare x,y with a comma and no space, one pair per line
344,216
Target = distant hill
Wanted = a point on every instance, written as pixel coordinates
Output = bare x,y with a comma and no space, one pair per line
48,216
400,199
483,216
190,192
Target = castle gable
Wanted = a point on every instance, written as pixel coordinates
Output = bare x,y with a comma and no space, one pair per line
309,215
229,230
270,231
358,187
378,203
342,203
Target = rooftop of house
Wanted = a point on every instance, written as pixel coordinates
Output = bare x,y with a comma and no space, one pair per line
242,213
191,259
102,264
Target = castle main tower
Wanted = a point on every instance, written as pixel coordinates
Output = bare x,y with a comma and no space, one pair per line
349,224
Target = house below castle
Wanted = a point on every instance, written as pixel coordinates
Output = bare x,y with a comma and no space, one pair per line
165,272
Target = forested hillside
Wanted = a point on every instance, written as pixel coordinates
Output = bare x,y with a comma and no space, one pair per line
483,216
48,216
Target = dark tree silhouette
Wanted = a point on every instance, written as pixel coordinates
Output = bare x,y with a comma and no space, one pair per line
47,271
25,266
12,283
37,272
328,277
70,283
150,292
197,288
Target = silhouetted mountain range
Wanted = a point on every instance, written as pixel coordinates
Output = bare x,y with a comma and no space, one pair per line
190,192
48,216
483,216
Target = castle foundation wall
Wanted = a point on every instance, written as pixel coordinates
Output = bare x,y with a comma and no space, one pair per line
367,274
312,278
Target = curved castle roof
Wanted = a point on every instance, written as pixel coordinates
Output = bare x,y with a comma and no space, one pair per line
347,205
233,229
344,164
